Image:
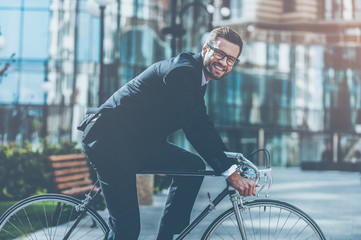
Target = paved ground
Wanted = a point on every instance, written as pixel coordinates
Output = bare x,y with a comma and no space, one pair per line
332,198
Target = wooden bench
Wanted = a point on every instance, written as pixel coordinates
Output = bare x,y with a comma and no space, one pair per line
71,174
72,177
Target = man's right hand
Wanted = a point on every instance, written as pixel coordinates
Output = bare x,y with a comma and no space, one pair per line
245,187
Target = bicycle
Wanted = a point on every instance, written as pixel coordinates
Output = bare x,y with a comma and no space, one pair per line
56,216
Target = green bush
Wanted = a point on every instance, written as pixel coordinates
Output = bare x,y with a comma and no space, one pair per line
24,172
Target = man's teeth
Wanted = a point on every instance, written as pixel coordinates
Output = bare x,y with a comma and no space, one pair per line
218,67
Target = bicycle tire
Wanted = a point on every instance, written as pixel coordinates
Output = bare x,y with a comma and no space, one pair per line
50,216
265,219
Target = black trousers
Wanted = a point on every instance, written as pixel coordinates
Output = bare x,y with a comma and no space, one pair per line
119,190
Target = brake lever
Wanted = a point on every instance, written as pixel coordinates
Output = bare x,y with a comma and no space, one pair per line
267,175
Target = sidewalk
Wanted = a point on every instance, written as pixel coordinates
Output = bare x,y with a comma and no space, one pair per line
331,198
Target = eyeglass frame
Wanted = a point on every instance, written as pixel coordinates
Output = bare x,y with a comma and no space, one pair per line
236,60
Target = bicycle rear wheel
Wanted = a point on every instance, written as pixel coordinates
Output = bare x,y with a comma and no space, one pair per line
265,219
50,216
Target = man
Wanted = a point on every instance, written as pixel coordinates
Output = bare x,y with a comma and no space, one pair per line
128,133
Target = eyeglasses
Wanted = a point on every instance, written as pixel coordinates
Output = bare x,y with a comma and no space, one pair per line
219,54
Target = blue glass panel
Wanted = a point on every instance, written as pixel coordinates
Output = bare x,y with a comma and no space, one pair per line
36,34
37,3
88,38
10,30
8,88
31,90
10,3
317,57
82,5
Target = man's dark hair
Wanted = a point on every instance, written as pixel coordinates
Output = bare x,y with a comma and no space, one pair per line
226,33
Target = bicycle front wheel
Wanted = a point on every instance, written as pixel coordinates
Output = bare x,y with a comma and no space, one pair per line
265,219
50,217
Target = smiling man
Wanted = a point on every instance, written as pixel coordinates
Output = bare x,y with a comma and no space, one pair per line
128,133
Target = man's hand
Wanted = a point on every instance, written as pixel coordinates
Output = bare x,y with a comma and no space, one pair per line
245,187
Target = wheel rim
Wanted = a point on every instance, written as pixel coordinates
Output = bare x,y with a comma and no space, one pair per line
49,219
267,220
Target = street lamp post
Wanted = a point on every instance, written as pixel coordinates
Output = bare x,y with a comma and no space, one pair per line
177,30
97,9
101,56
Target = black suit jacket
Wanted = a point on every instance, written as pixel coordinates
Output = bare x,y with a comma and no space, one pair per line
164,98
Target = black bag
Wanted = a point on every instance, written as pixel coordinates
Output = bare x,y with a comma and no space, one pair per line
91,113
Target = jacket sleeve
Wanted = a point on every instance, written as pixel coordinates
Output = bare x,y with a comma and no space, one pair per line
182,83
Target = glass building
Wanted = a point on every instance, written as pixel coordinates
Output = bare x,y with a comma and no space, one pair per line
25,26
296,89
298,85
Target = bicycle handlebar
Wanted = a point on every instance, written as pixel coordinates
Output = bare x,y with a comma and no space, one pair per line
265,173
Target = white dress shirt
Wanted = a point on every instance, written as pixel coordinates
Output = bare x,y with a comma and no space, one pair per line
233,168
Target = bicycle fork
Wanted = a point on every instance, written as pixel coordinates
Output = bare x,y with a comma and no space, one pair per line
235,199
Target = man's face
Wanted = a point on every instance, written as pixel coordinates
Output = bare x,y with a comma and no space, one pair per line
218,68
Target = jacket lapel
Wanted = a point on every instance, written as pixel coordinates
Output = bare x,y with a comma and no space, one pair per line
199,64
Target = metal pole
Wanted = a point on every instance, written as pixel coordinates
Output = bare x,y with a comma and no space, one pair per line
101,60
260,145
173,26
75,71
44,128
335,148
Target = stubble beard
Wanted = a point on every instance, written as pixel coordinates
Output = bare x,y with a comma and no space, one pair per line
208,68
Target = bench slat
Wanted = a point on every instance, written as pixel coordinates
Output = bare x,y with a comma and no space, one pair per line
74,184
69,164
72,177
70,171
71,174
66,157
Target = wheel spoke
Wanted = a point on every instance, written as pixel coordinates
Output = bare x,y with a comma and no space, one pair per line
283,225
31,226
69,220
46,217
59,217
269,222
266,220
300,232
78,229
250,215
39,220
247,228
8,232
260,224
225,229
46,220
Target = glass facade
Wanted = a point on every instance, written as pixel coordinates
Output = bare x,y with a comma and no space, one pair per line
300,95
340,9
293,94
288,95
24,24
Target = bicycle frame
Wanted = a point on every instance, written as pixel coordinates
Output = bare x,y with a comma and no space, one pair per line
211,206
263,217
235,198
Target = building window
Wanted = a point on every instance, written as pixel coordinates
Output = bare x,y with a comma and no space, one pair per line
289,6
340,9
236,9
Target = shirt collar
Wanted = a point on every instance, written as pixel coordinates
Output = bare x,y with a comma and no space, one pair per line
204,81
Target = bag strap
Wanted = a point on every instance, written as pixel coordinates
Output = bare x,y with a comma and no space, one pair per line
89,115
